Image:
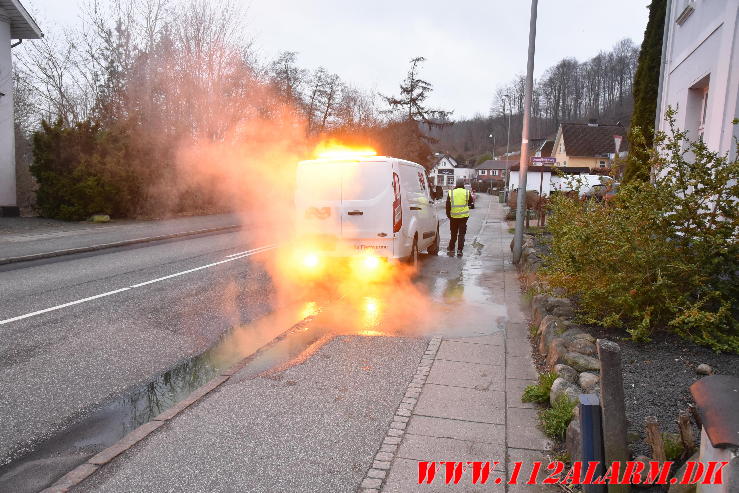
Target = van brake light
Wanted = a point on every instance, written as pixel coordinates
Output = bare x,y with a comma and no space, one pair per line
397,209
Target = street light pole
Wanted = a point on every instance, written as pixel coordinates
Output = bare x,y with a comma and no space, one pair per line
524,162
510,112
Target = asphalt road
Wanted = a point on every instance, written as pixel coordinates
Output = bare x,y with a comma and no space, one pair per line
56,366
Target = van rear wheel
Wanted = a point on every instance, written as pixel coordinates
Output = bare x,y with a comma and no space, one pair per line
414,254
434,248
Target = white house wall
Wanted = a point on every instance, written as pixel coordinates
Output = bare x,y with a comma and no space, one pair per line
706,44
7,141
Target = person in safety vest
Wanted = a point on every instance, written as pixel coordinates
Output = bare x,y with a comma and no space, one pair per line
458,202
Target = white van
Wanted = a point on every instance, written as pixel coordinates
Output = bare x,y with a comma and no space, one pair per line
365,205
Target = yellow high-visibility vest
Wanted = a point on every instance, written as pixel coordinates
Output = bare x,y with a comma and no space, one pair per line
459,199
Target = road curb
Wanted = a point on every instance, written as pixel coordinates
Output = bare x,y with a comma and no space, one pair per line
103,246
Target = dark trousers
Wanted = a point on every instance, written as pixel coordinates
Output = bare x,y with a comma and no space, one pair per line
458,228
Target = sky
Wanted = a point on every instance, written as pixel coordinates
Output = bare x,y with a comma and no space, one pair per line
471,46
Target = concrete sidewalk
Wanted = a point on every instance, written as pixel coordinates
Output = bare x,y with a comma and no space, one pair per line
464,401
30,238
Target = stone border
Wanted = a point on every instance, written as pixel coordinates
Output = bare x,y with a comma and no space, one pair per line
377,474
103,246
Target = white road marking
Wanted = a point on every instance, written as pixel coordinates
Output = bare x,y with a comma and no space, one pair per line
229,258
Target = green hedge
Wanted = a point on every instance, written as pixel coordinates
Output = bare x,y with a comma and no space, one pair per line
83,170
659,256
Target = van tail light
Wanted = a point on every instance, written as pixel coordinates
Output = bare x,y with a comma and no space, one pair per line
397,209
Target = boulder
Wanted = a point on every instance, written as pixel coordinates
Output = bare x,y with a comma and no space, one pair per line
553,303
588,381
556,353
566,372
582,346
563,387
573,438
703,369
581,362
538,309
573,333
548,329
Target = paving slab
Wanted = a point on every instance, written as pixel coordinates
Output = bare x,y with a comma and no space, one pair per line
528,457
470,353
421,447
454,428
522,431
520,367
441,401
403,478
497,339
514,391
470,375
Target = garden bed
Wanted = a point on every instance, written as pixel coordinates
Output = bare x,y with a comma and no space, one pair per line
657,375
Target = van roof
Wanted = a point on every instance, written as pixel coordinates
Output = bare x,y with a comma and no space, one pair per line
358,159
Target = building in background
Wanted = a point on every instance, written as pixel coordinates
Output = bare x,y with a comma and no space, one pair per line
700,73
492,173
15,26
590,145
446,171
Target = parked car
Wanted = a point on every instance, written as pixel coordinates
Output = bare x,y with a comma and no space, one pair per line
602,192
373,207
472,196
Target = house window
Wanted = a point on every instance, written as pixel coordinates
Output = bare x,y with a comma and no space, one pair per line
697,107
494,172
602,164
704,110
483,172
450,180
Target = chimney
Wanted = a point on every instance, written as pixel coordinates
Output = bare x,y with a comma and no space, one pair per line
593,122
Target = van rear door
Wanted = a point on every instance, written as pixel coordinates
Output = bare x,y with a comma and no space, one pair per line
318,199
367,203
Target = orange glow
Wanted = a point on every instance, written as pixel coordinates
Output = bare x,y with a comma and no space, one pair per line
310,309
311,261
334,150
371,263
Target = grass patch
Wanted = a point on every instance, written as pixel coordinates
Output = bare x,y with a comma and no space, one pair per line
540,391
673,446
533,329
554,420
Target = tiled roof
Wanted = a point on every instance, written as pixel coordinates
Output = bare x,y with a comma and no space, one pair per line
583,139
546,149
566,170
495,164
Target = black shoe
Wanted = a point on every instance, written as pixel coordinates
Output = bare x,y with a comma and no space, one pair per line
459,253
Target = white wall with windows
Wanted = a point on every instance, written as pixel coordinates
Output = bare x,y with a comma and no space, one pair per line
701,70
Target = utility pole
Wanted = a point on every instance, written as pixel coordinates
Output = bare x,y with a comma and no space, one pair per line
510,112
523,168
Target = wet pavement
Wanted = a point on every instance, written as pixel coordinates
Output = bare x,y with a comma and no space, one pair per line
316,416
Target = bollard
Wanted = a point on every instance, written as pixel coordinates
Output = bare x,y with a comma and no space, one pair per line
591,438
613,408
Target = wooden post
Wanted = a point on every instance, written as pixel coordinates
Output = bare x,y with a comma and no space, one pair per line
686,433
654,439
613,408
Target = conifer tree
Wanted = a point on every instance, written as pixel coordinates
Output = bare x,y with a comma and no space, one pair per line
646,86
